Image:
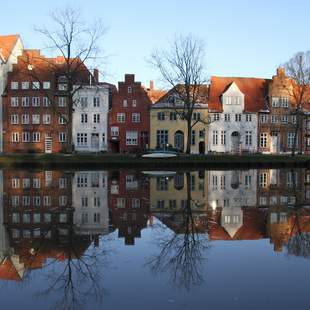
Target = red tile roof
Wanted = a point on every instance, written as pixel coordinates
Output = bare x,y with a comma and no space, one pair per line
7,44
255,91
8,271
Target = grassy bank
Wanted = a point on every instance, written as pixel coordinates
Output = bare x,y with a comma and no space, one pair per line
113,161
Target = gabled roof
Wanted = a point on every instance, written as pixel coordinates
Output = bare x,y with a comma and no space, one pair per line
255,91
7,44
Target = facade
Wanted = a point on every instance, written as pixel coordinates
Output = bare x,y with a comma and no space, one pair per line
90,201
11,47
168,126
30,123
278,119
90,119
129,121
233,107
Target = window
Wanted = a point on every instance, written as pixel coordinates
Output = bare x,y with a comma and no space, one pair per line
173,116
135,117
134,103
35,85
291,178
15,200
25,101
36,217
62,137
62,182
227,117
214,182
62,120
36,119
62,200
81,139
84,201
35,101
248,118
14,101
291,139
161,116
15,137
263,179
14,85
284,102
15,218
36,201
26,136
162,137
15,182
84,118
264,118
275,102
46,102
26,219
263,139
248,180
46,85
25,119
135,203
131,137
82,180
96,118
274,119
216,117
214,137
125,103
62,102
84,102
36,183
120,117
62,86
196,116
48,178
161,184
46,119
96,102
294,119
193,137
14,119
129,89
26,183
47,217
248,138
238,117
35,137
96,217
25,85
96,201
47,201
114,131
284,119
223,137
201,133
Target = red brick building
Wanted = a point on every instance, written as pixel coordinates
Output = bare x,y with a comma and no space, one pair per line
129,120
35,105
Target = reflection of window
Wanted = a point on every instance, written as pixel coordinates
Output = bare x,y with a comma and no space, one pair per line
179,181
162,184
82,180
15,218
63,218
160,204
262,201
95,179
131,182
26,218
135,203
84,201
172,204
120,202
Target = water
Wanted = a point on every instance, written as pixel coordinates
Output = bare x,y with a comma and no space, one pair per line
155,239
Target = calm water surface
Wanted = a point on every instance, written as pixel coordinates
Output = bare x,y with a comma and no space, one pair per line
155,239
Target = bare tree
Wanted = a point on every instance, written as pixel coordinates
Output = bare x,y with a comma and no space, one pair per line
77,43
298,70
182,68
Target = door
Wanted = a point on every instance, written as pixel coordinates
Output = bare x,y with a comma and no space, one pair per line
202,147
95,141
274,145
235,142
48,144
179,140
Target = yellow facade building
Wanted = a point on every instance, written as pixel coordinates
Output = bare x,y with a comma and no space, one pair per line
168,127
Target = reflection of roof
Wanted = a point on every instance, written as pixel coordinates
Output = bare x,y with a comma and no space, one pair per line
254,90
8,271
7,44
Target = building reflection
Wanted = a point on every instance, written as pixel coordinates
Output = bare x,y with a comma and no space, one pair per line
60,215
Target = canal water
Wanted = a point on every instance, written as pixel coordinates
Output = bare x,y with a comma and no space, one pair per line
127,239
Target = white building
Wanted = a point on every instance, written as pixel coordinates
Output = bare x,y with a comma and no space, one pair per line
90,119
11,47
233,108
90,200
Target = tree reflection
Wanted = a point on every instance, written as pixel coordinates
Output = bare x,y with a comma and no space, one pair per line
182,251
73,275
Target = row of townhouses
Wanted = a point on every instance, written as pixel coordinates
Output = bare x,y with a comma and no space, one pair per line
52,214
238,115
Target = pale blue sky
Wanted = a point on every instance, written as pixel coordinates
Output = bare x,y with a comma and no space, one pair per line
243,37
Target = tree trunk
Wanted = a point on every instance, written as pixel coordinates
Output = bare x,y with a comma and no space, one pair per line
69,148
189,134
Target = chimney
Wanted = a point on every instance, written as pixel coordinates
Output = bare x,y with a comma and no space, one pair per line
151,85
280,71
96,75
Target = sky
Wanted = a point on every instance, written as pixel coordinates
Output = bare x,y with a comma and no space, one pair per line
248,38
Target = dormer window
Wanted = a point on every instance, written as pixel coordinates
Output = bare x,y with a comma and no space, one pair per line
171,99
35,85
25,85
62,83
